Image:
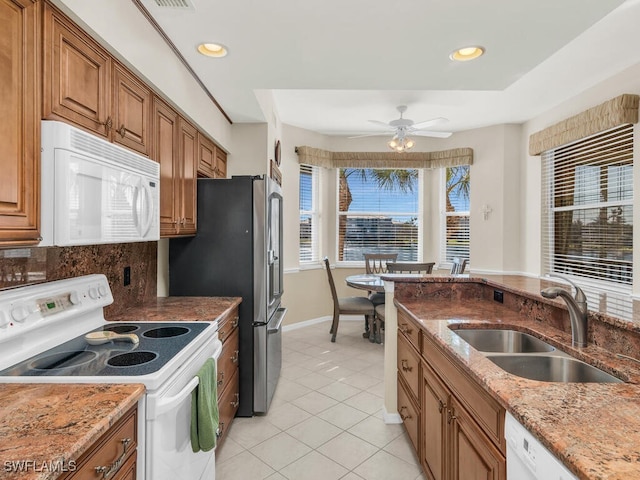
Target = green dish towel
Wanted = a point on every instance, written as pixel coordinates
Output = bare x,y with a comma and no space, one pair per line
204,408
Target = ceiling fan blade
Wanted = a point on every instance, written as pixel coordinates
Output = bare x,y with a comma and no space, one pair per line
428,133
378,122
429,123
379,134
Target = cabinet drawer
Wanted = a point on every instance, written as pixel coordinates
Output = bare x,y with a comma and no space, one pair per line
408,365
484,409
410,330
228,406
409,413
228,362
227,324
110,448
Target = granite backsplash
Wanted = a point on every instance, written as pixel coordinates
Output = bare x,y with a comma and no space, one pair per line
21,266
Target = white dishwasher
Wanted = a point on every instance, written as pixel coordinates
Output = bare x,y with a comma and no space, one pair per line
528,459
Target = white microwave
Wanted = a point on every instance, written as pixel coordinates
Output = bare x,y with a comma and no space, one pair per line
94,191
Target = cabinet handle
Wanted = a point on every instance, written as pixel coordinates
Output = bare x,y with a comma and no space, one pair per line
402,415
440,406
108,472
108,123
450,416
221,334
234,359
235,322
403,328
221,378
236,402
405,366
121,131
220,430
183,221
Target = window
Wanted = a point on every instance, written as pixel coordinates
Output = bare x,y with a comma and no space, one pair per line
455,218
309,246
378,212
588,207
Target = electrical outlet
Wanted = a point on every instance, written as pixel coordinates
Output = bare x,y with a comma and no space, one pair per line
498,296
127,276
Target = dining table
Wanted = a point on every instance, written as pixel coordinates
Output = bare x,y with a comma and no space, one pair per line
369,282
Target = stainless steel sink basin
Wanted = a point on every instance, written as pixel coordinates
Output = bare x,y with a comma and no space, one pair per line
547,368
503,341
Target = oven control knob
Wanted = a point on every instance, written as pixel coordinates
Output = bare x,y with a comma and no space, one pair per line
93,292
20,313
74,298
102,290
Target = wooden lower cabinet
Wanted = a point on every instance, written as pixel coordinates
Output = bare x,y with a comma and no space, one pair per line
228,373
434,425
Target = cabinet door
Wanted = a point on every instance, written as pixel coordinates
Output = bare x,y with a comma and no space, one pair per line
206,157
221,164
131,111
77,76
473,455
434,410
165,151
20,122
187,160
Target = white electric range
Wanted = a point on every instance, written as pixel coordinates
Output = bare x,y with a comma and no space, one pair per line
42,340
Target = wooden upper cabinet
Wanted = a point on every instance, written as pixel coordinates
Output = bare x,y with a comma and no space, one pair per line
77,76
212,161
131,111
19,122
187,163
221,164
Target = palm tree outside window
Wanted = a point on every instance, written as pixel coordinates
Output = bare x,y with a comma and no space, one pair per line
455,228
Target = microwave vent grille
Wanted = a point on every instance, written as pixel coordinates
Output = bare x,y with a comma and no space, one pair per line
101,149
184,4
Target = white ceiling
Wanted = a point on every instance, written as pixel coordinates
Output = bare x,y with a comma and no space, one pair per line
335,64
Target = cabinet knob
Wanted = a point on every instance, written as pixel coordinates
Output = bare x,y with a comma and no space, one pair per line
234,359
221,378
108,123
440,406
404,416
450,416
122,131
405,366
220,430
236,402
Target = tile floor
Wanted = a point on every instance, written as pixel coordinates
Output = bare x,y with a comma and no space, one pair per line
325,421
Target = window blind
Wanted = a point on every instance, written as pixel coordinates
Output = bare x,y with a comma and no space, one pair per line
588,207
455,218
378,212
309,247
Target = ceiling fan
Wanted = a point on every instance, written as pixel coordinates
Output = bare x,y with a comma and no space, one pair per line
403,127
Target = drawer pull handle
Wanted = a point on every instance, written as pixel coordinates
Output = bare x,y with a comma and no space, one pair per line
450,416
404,416
405,366
236,402
220,430
221,378
235,322
221,334
234,358
403,328
440,406
108,472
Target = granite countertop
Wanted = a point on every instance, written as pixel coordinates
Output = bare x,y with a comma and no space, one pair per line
190,309
53,424
593,428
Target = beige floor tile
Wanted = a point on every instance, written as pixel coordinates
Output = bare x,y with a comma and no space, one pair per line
339,391
314,466
402,448
336,372
290,390
230,448
276,476
377,389
384,466
375,431
360,380
286,415
249,432
343,416
350,476
314,402
366,402
314,381
348,450
314,431
280,450
243,467
292,372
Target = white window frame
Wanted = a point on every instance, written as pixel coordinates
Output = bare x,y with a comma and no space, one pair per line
444,262
419,215
314,213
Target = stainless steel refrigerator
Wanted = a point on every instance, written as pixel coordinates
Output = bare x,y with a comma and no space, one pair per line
238,252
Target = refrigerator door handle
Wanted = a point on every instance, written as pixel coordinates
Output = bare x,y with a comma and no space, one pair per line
281,312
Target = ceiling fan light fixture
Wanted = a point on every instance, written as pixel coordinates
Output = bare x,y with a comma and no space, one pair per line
400,145
215,50
465,54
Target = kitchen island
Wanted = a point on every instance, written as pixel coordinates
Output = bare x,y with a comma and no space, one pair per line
593,428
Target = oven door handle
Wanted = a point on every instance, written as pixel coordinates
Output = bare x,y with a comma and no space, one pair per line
166,404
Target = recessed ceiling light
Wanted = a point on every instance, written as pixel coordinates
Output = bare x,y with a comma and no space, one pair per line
466,53
213,50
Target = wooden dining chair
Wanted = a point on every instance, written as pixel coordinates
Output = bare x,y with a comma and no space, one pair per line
410,267
458,265
347,305
377,262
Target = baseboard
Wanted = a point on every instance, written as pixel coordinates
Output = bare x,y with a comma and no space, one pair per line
391,417
315,321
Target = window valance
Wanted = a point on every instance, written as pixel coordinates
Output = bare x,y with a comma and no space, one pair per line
615,112
327,159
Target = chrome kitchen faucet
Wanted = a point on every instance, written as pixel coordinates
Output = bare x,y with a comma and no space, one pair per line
577,310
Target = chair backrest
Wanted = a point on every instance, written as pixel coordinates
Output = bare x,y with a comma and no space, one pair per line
377,262
458,265
332,285
410,267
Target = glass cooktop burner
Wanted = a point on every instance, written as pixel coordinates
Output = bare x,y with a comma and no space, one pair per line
131,358
63,360
122,328
166,332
